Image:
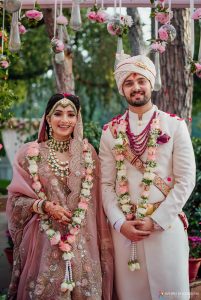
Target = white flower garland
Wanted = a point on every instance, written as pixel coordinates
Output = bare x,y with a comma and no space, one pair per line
124,199
65,243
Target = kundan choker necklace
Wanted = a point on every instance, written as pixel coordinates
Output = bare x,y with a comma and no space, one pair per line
60,168
61,146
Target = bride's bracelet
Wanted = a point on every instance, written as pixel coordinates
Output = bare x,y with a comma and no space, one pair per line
38,206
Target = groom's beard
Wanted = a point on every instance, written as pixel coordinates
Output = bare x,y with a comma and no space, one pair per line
138,99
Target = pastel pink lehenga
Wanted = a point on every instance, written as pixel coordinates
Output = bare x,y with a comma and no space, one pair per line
38,268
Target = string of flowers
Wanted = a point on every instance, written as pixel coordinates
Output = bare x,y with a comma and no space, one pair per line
143,208
65,242
196,65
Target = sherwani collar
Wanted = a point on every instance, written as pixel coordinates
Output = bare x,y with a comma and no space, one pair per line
145,117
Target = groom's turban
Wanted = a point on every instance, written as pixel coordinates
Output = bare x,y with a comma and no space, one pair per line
140,64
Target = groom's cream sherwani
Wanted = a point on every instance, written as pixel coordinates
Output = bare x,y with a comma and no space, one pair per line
164,254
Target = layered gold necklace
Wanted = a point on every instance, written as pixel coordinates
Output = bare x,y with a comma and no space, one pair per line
59,168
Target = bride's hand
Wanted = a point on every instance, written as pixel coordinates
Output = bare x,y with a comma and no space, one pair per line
57,212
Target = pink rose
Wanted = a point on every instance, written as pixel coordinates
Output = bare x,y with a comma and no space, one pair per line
198,67
163,35
145,194
1,146
151,157
163,18
35,178
34,15
101,17
89,178
32,151
61,20
91,15
74,230
197,14
83,199
4,64
22,29
110,29
65,247
83,205
36,186
55,239
59,46
89,171
158,47
119,157
123,189
151,150
71,238
129,217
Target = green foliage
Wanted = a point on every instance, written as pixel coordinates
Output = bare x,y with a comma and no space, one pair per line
92,131
193,206
7,99
3,186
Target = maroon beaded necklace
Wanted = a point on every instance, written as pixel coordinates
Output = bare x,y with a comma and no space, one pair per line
138,143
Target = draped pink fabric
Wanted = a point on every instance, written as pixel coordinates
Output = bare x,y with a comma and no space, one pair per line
38,268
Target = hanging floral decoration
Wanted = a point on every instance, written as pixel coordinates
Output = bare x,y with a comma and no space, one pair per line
62,20
4,62
119,26
22,28
57,45
97,14
66,242
166,33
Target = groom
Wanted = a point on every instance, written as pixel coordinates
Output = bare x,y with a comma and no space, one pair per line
148,174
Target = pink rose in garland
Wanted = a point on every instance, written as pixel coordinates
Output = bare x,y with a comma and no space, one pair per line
34,15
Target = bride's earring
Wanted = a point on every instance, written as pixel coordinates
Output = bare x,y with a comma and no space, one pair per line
50,131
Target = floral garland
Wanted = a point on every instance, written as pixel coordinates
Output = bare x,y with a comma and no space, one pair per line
65,243
142,208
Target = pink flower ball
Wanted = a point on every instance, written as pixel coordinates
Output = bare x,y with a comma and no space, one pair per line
59,46
123,189
163,34
34,15
4,64
61,20
163,18
110,29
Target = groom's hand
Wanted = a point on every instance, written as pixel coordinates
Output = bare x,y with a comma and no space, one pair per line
130,231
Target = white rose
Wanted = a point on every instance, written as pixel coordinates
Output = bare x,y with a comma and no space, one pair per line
126,208
121,173
70,286
119,141
124,200
131,267
86,185
88,158
137,266
141,210
149,176
45,226
33,168
85,192
77,220
64,287
50,232
32,162
68,256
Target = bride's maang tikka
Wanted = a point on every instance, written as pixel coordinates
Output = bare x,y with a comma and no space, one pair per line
63,102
